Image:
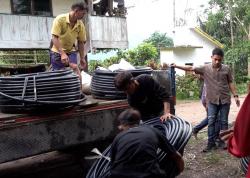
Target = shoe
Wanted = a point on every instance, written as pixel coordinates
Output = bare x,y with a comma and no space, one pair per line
222,145
209,148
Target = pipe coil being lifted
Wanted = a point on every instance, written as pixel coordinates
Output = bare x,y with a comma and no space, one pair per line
176,130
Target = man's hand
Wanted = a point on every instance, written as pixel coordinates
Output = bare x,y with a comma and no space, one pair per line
226,134
165,117
178,160
173,65
65,59
83,63
237,101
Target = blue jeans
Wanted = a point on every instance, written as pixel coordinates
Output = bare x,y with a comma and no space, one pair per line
204,123
201,125
213,110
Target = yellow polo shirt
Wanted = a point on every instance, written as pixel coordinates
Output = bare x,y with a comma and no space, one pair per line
67,35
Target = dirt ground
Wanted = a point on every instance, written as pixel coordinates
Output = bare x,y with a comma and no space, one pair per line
216,164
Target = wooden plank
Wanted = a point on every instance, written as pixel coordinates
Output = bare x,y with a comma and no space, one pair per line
110,44
113,33
24,28
24,44
25,32
33,32
6,35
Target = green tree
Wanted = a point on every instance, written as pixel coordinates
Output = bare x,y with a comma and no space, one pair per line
235,11
144,52
159,40
230,24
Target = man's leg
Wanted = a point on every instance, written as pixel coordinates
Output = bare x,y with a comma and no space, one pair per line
200,126
223,122
212,117
224,111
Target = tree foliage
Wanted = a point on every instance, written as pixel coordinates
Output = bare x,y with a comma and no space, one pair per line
159,40
140,56
235,15
218,23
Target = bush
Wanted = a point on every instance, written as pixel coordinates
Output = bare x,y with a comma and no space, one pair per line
93,64
187,87
242,88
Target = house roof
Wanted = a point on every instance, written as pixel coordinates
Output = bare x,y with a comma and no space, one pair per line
201,33
208,37
181,47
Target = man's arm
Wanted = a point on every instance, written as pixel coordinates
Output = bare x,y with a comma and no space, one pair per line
81,52
168,148
186,68
178,160
57,44
160,92
233,91
166,111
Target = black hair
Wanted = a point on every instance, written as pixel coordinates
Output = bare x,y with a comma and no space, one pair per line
123,79
130,117
79,6
218,51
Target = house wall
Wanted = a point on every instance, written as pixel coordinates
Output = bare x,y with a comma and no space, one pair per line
5,6
24,32
108,32
181,56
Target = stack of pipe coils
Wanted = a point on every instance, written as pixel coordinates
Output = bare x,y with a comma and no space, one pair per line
244,163
176,130
58,88
103,87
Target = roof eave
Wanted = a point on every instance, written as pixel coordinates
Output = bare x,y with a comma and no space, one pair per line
208,37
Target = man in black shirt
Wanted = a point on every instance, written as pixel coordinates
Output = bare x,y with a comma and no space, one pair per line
134,151
144,94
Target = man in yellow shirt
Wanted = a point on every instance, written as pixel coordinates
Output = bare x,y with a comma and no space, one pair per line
67,29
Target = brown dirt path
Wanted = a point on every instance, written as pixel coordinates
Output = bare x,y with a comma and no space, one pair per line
194,112
216,164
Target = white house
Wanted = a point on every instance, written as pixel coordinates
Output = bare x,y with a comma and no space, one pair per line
192,46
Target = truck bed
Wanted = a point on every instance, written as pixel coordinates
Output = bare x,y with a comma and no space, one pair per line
23,135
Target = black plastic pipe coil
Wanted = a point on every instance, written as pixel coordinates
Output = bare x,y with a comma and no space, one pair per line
177,131
244,163
46,88
103,87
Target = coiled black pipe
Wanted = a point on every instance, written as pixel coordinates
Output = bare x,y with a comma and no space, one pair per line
61,88
244,163
103,87
177,131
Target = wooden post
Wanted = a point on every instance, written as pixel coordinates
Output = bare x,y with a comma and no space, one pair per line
90,7
35,56
110,7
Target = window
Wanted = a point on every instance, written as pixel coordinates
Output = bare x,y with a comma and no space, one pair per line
32,7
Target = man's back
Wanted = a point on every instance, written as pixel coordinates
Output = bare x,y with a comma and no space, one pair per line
134,153
149,97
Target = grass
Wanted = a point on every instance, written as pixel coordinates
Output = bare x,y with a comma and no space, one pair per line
217,163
